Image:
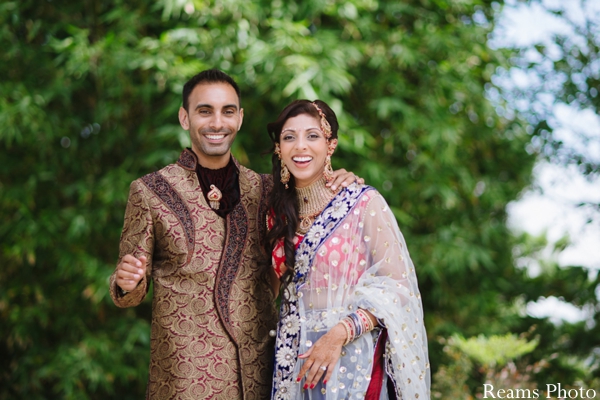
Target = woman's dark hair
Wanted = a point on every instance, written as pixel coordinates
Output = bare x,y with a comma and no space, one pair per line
283,202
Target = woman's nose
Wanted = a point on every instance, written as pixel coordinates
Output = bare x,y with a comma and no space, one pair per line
301,143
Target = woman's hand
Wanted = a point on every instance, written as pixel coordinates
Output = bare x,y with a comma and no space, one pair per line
322,357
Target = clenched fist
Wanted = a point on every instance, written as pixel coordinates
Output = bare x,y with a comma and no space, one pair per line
130,272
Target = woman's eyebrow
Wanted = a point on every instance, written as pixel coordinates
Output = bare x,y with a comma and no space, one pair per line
306,129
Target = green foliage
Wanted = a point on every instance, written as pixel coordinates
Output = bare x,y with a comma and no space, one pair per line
494,350
88,102
567,74
567,68
497,361
450,380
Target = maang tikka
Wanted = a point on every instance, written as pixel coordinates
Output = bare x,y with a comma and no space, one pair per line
285,172
326,128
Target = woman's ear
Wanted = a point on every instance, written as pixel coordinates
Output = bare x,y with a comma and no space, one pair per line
331,146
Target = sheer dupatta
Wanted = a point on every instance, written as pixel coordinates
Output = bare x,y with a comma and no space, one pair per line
353,256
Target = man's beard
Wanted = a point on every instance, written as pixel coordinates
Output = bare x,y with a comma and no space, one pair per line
214,149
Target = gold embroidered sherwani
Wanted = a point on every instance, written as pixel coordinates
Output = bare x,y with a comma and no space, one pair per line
212,307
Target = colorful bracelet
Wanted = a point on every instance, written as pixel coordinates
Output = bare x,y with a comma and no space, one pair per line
366,320
349,330
358,327
356,324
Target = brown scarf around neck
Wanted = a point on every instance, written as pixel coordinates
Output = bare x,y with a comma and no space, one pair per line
226,179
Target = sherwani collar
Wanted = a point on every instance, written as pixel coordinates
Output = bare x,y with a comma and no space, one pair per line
226,179
189,160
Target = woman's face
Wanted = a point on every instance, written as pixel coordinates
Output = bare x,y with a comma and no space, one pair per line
303,148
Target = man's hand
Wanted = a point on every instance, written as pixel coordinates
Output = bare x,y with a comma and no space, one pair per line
130,272
343,178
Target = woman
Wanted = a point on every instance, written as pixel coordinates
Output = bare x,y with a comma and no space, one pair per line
351,322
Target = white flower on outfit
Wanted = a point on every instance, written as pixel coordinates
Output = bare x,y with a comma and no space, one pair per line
285,357
316,232
339,210
291,324
285,390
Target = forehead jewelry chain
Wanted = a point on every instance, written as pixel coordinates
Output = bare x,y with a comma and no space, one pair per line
324,123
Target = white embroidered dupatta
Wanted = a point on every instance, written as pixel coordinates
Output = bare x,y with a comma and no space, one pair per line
353,256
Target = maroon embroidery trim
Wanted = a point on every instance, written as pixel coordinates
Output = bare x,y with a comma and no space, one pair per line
187,160
267,186
237,233
161,187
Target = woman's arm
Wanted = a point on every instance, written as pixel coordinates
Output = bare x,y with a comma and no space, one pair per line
327,350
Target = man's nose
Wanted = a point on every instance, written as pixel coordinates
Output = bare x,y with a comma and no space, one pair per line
216,122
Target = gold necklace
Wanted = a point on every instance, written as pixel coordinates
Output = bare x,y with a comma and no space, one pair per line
312,199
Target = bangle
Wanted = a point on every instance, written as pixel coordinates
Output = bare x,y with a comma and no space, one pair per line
348,329
358,326
365,320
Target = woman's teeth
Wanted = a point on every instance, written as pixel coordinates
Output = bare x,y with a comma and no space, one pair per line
302,159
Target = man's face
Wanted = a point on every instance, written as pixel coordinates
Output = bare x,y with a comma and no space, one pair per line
213,120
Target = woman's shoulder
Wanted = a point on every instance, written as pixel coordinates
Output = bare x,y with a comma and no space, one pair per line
366,192
368,197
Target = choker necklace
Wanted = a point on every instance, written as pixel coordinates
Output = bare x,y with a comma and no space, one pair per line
312,199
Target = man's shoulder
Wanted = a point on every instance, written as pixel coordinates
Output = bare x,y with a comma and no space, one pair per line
255,185
170,170
248,173
169,174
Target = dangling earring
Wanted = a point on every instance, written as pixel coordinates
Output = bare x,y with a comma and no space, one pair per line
285,172
328,171
285,175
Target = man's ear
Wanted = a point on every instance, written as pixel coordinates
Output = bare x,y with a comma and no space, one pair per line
241,118
184,118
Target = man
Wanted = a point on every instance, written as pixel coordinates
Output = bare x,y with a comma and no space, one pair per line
195,229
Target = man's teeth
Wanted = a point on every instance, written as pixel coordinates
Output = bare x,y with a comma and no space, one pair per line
302,159
215,137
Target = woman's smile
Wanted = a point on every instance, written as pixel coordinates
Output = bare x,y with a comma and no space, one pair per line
303,148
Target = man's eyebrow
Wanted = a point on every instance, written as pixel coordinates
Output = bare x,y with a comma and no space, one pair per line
203,105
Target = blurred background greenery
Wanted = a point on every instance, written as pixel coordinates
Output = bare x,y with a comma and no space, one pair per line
89,93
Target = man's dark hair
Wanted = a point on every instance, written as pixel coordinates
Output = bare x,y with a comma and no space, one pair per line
208,76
